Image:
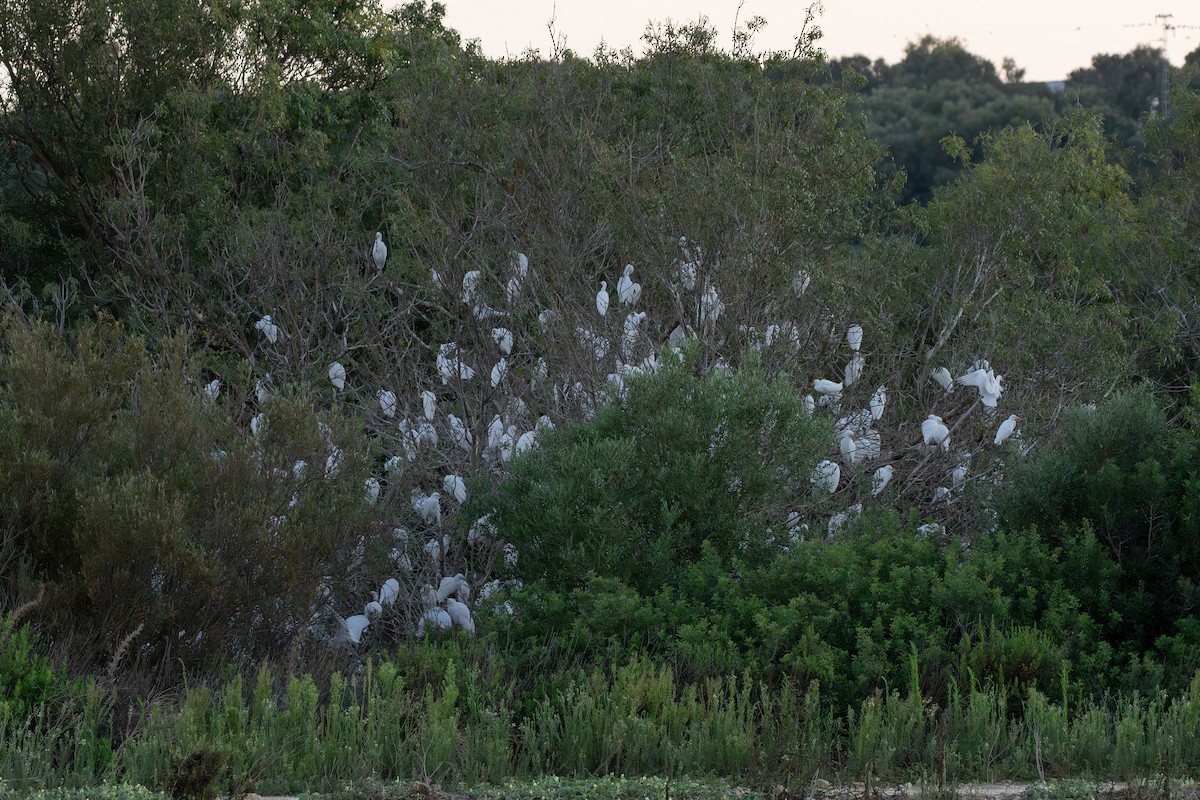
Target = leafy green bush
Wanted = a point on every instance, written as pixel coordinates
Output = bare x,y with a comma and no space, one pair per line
687,459
28,681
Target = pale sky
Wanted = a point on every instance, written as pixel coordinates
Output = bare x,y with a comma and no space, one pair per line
1048,39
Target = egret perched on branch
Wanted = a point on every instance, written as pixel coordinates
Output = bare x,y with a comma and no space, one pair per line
986,381
470,287
389,591
810,405
602,298
800,283
337,375
878,403
959,475
372,609
456,487
450,364
828,388
710,306
429,402
1005,430
449,586
261,392
933,431
881,478
371,489
437,617
628,291
429,507
460,615
379,252
854,337
499,371
459,432
212,390
387,402
258,424
848,448
632,325
826,476
853,371
268,328
942,376
504,339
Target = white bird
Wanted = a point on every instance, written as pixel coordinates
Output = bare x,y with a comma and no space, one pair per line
429,402
526,441
482,530
853,371
212,390
710,306
434,549
427,434
602,298
459,432
387,402
881,478
260,390
959,475
456,487
986,381
371,489
470,287
847,446
800,282
449,585
628,291
520,265
933,431
839,520
687,275
337,375
258,424
372,609
632,324
941,494
333,461
504,339
379,252
854,337
268,328
450,364
878,403
429,507
499,371
1005,430
810,405
826,476
350,629
460,615
942,376
822,386
389,592
437,617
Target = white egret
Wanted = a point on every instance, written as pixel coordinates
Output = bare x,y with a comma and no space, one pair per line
942,376
389,592
459,432
1005,430
337,375
881,478
333,461
460,615
371,489
986,381
602,299
379,252
632,324
258,423
839,520
387,402
437,617
959,475
499,371
933,431
800,283
941,495
878,403
450,364
268,328
212,389
495,430
510,554
853,371
429,404
504,339
300,469
854,337
483,530
810,404
260,390
822,386
628,291
526,441
710,306
429,507
372,609
547,316
434,549
470,287
427,434
350,629
456,487
826,476
448,586
847,446
520,264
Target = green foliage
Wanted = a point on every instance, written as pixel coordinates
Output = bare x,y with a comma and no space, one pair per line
684,462
28,681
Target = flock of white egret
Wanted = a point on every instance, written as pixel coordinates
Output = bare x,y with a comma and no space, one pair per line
858,443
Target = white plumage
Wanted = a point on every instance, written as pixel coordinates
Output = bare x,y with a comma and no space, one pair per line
337,375
379,252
